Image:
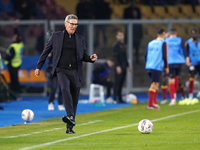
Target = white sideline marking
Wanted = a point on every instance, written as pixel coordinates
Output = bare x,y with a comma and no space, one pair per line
84,135
9,137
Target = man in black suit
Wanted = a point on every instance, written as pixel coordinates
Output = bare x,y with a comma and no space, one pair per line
69,52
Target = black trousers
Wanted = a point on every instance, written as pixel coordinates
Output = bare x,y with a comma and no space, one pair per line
54,86
70,86
107,84
14,81
118,84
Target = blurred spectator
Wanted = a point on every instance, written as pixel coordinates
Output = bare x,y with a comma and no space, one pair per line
133,12
14,60
6,9
27,9
102,11
84,10
100,75
6,5
121,65
51,9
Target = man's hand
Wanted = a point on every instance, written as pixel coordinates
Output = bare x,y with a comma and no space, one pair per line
187,61
129,70
93,57
167,70
118,69
37,72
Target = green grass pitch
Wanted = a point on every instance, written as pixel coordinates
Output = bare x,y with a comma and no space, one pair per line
175,128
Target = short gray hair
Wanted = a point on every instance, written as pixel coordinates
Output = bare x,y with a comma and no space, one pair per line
70,16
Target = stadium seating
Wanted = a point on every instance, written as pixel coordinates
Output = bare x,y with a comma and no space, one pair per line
41,78
174,11
188,11
181,30
6,75
197,10
149,30
24,76
146,11
161,12
28,78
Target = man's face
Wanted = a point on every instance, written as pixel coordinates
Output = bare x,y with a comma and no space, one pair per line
195,35
167,35
110,63
14,38
120,36
71,25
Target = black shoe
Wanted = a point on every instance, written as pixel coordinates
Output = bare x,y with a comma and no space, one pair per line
70,131
1,107
68,120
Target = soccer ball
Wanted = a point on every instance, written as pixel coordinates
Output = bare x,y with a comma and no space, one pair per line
27,115
131,98
145,126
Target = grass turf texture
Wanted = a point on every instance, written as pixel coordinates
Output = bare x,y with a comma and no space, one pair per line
174,133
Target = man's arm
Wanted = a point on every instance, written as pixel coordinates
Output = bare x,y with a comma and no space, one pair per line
86,57
165,55
43,56
186,47
45,53
185,53
10,55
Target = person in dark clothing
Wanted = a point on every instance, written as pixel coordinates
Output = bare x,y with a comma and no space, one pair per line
69,53
100,75
14,61
84,10
53,87
120,65
102,10
133,12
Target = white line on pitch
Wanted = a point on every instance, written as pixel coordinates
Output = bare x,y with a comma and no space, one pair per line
50,130
103,131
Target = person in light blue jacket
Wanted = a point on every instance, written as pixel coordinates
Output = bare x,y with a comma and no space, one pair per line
193,48
156,61
177,55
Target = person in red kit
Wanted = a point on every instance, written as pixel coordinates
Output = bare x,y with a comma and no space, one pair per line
193,48
177,55
164,83
156,61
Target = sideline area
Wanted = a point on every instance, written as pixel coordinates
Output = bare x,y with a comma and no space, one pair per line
11,115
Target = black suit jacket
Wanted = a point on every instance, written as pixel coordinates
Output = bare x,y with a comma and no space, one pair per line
55,43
